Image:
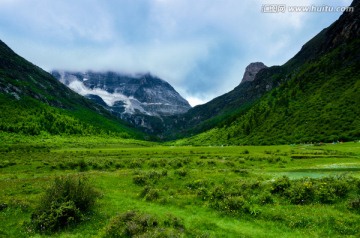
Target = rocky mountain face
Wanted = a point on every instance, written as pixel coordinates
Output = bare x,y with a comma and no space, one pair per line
251,70
141,99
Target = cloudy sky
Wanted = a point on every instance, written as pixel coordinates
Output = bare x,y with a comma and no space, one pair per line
201,47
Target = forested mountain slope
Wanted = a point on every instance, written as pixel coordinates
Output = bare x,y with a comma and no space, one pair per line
315,96
33,102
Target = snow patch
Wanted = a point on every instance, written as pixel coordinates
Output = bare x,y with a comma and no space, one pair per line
131,104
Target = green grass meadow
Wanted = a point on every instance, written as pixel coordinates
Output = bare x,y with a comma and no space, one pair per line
234,191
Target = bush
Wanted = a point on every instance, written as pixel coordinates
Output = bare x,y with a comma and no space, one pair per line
64,203
152,195
135,164
140,180
265,198
280,185
83,165
3,206
176,164
181,172
354,205
136,224
143,178
301,192
234,204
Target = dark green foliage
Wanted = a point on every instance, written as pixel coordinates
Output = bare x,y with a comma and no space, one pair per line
181,172
326,190
280,185
3,206
56,217
30,117
135,164
248,197
32,102
152,176
175,164
140,180
354,205
152,195
136,224
198,184
301,192
65,203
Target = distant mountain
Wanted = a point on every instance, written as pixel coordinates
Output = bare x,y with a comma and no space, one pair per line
141,100
33,102
208,115
315,96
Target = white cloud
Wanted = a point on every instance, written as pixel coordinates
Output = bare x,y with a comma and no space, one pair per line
182,41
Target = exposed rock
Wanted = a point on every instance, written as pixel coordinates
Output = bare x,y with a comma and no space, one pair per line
136,99
251,71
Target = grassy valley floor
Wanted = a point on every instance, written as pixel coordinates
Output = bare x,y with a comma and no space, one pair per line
244,191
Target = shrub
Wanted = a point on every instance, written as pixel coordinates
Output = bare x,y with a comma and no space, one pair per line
154,175
140,180
71,165
301,192
241,160
242,172
3,206
197,184
135,164
83,165
64,203
234,204
280,185
153,164
181,172
176,164
203,193
119,165
173,221
325,194
145,190
230,164
152,195
164,173
265,198
136,224
354,205
57,216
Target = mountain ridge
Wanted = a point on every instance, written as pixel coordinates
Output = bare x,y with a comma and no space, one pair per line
306,95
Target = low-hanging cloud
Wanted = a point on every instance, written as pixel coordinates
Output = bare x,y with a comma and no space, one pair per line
200,47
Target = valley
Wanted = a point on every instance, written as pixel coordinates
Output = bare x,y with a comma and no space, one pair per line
235,191
102,153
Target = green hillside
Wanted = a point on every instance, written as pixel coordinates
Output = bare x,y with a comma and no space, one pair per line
32,102
319,104
315,95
